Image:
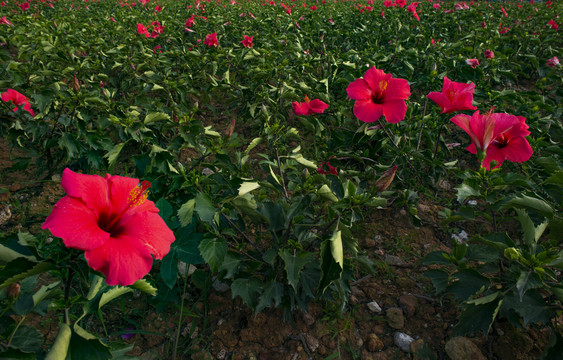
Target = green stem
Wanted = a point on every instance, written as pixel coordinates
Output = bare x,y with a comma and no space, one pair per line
16,330
179,330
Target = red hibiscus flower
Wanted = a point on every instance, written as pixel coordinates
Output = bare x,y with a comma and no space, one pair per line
17,99
331,169
211,40
509,145
504,30
5,21
500,129
24,6
309,107
157,29
113,222
553,62
189,23
503,11
141,29
247,41
473,63
553,24
489,54
454,96
379,94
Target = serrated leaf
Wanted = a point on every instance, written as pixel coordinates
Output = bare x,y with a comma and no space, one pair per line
247,289
213,252
186,212
439,279
255,142
301,160
169,270
27,339
476,318
204,208
59,349
532,308
113,154
272,294
85,347
294,264
144,286
46,292
469,283
332,261
325,192
113,293
484,300
465,191
230,265
155,116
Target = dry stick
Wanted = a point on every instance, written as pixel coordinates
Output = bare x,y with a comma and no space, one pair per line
242,233
387,133
438,141
421,124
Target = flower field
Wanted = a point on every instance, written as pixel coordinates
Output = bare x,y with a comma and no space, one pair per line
325,167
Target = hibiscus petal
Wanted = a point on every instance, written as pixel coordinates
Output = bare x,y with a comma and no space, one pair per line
359,90
120,189
91,189
397,89
318,106
301,109
518,150
367,110
374,76
441,100
150,230
394,110
76,224
123,260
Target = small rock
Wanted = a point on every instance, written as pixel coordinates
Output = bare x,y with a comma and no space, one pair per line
374,343
393,260
395,318
378,329
5,214
373,306
369,242
56,177
221,354
409,302
220,287
403,341
461,348
308,318
312,342
417,345
378,239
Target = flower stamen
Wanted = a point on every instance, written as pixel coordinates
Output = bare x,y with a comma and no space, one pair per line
139,194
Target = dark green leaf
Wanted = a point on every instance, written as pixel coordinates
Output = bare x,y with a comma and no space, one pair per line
469,283
21,268
294,264
272,294
204,208
27,339
439,279
247,289
476,318
213,252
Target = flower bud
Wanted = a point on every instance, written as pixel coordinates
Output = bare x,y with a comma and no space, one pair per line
13,290
512,254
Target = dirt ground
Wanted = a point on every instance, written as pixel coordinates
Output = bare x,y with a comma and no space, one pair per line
224,328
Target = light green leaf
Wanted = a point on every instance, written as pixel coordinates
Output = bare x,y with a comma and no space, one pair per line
531,203
301,160
144,286
186,212
46,292
325,192
204,208
156,116
485,299
112,294
247,187
213,252
113,154
59,349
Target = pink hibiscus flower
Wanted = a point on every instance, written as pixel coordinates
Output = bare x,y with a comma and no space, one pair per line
473,63
489,54
379,94
112,221
553,62
309,107
454,96
5,21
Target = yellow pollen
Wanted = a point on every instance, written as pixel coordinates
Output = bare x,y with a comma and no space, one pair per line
139,194
382,85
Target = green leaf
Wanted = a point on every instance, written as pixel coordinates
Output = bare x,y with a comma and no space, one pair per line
169,270
326,193
526,281
465,191
247,187
27,339
469,283
532,307
204,208
437,257
485,299
59,349
213,252
144,286
247,289
230,265
112,294
155,116
531,203
294,264
21,268
68,143
46,292
332,260
85,347
165,209
301,160
16,354
186,212
113,154
272,294
476,318
555,179
439,279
